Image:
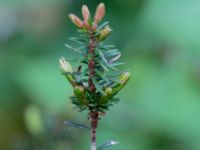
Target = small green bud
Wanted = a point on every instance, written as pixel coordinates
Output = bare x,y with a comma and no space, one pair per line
103,34
108,91
79,92
108,94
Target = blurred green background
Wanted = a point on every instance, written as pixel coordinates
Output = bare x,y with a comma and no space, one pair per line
159,108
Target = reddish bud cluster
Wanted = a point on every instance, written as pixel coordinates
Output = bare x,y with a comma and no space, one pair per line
99,14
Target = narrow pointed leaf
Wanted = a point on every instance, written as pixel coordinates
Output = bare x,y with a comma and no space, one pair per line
108,46
102,25
117,64
97,86
112,52
101,75
107,144
76,125
78,40
102,55
73,48
115,58
102,65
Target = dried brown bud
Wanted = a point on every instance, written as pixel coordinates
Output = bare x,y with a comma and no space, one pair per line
76,20
99,14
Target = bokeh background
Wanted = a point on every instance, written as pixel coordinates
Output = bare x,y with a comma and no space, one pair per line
159,108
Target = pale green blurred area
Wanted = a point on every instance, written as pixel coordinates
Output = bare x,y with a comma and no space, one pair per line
160,106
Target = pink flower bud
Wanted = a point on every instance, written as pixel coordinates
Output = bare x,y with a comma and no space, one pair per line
76,20
100,12
86,13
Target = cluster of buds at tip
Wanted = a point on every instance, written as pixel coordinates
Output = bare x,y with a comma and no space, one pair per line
87,20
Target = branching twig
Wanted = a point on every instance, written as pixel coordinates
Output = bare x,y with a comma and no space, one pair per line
94,88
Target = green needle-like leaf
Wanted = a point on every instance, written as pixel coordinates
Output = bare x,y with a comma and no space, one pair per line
107,144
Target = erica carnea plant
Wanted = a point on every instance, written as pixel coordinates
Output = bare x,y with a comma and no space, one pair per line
96,79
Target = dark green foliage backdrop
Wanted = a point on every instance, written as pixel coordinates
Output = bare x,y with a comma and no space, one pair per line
159,108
